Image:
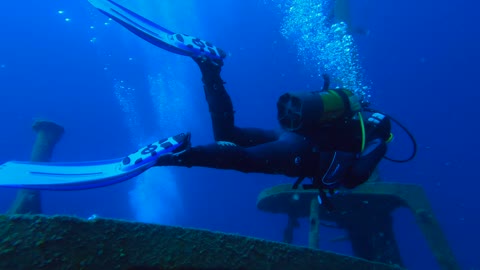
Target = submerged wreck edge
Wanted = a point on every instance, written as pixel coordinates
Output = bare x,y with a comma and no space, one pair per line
63,242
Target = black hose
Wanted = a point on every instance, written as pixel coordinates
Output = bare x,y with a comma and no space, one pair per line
412,138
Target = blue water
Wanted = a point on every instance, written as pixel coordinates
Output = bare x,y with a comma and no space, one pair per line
114,92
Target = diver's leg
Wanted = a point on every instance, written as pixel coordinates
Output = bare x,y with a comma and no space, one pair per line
221,109
219,102
291,156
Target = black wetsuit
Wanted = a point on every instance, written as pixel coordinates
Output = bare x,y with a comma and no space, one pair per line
269,151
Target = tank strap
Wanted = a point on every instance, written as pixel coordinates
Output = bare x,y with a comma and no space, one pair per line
345,99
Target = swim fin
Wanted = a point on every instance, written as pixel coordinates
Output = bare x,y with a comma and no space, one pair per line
157,35
87,175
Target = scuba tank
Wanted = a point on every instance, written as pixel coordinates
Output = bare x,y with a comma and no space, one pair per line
305,112
330,118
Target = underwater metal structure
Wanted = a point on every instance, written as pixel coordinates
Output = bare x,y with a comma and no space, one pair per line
48,134
60,242
365,214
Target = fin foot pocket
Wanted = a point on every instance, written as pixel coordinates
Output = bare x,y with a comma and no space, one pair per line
198,47
148,155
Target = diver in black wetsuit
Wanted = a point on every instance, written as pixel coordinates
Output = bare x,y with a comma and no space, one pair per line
324,138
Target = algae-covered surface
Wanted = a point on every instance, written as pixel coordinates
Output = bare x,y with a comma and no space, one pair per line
61,242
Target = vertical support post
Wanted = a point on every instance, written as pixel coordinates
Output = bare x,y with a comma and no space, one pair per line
431,229
313,236
291,225
48,134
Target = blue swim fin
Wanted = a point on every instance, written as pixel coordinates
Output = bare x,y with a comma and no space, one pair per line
156,34
87,175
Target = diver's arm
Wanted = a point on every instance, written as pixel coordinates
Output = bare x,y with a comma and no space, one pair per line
366,163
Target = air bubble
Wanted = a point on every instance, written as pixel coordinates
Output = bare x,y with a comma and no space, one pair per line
323,46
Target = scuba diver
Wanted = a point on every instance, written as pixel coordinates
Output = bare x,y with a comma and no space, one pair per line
324,135
328,136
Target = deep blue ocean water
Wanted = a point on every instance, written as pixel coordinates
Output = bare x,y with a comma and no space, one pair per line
113,92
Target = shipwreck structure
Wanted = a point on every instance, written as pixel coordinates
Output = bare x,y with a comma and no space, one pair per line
365,213
48,135
32,241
